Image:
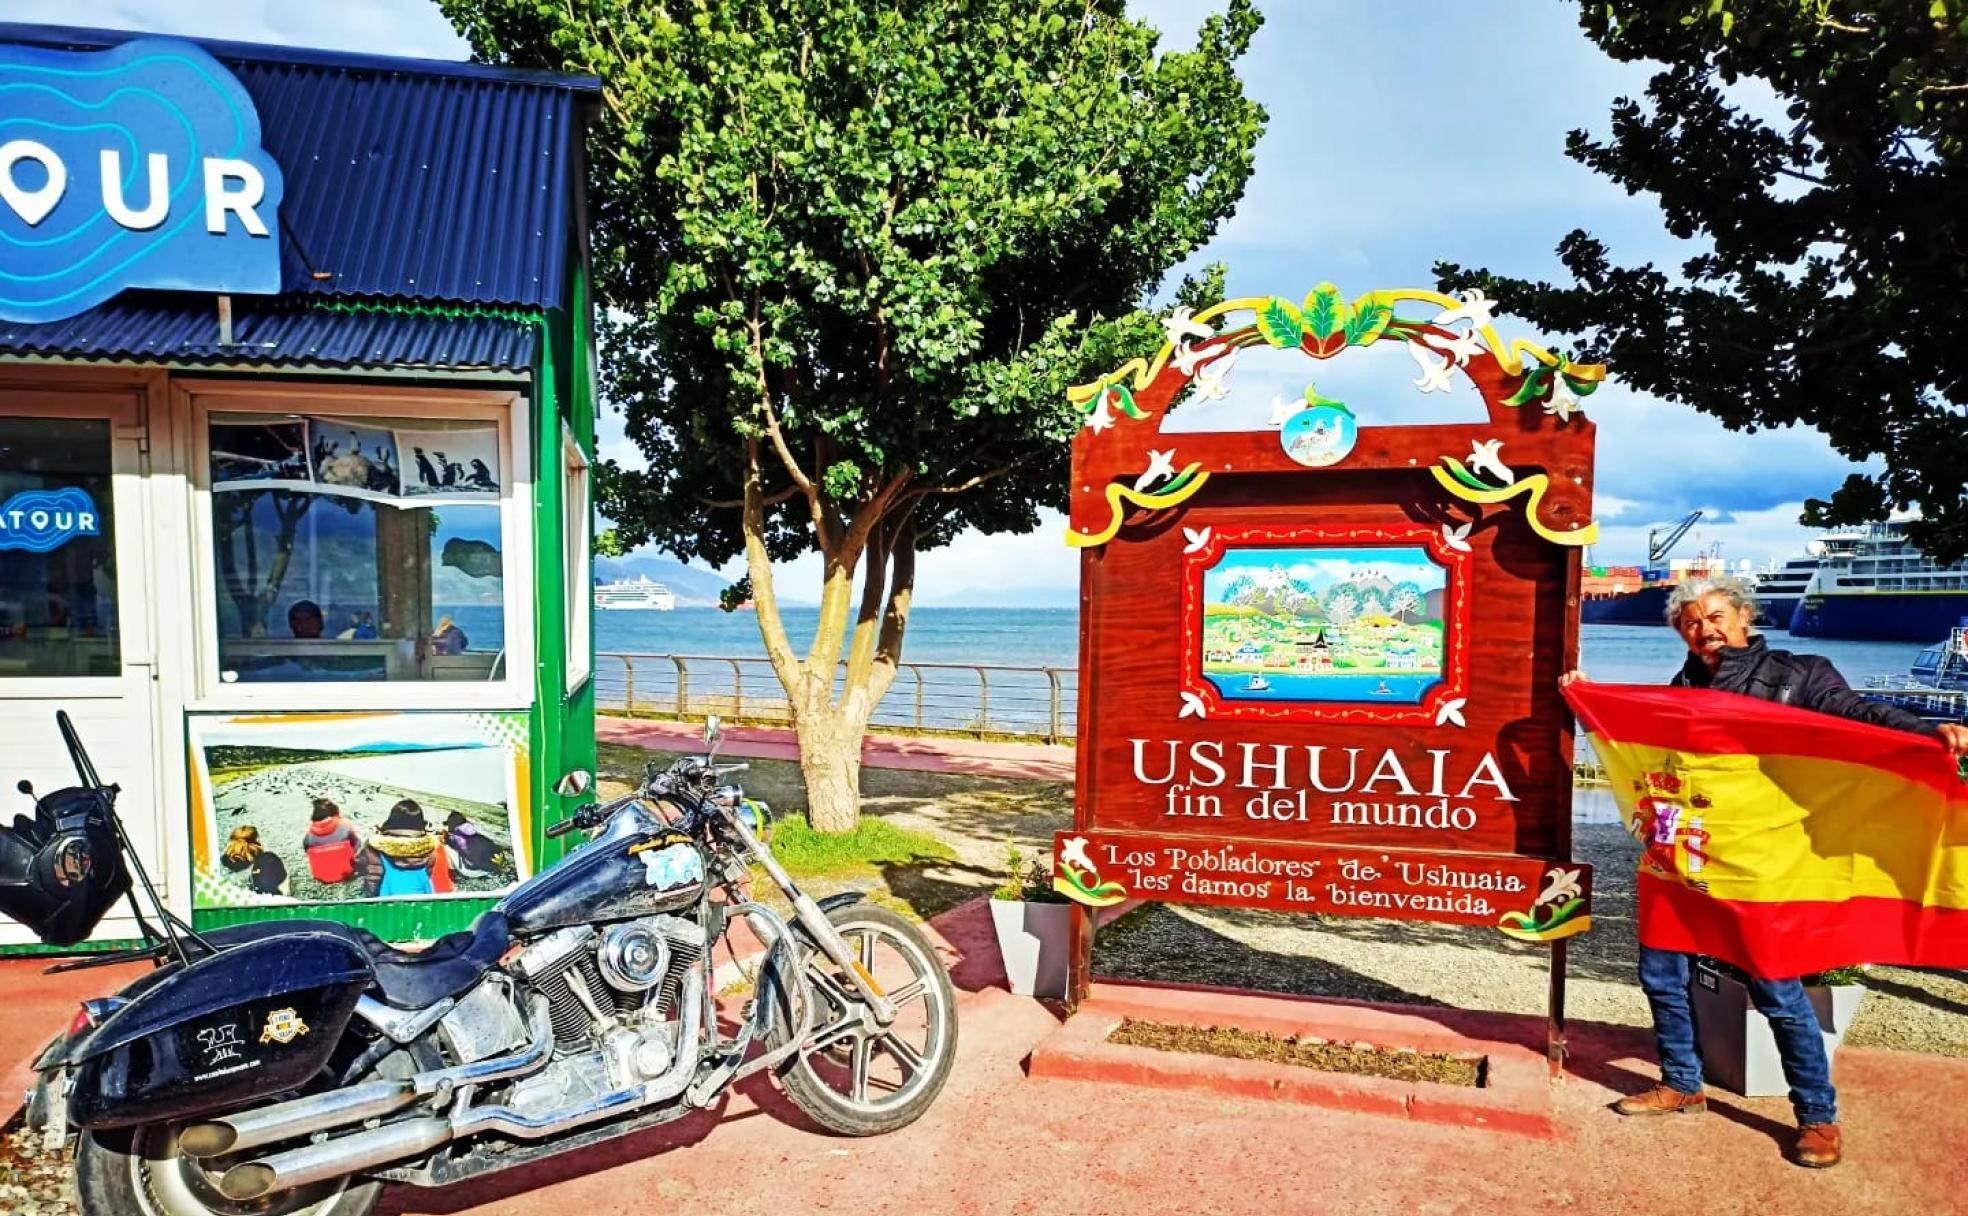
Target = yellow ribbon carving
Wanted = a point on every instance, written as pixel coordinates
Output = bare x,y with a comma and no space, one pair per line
1535,486
1118,494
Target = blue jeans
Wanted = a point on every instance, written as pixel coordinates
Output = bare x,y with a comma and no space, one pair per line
1664,978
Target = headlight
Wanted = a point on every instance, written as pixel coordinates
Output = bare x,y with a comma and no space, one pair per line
757,818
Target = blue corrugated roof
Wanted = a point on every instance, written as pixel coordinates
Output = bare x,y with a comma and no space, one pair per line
151,327
405,180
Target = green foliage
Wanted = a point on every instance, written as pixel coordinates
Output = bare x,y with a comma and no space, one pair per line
903,230
1026,879
1834,280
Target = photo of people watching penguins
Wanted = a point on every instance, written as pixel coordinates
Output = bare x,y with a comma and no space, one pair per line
355,819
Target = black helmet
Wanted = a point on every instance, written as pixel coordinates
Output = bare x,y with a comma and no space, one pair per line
62,870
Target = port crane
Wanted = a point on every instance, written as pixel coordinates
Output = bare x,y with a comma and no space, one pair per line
1657,549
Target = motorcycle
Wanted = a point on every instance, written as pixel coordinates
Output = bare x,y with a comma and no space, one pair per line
297,1067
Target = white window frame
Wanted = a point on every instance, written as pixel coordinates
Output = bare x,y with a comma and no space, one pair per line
513,687
577,553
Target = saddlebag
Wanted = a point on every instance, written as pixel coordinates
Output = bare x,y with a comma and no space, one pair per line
62,869
248,1022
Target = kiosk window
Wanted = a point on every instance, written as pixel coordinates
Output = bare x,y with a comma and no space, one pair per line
357,549
57,550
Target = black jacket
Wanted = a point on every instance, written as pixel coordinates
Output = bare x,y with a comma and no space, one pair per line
1807,681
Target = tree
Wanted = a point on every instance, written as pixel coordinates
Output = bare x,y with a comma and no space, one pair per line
1835,283
852,256
1342,607
1406,602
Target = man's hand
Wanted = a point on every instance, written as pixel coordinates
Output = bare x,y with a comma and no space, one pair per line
1955,739
1574,676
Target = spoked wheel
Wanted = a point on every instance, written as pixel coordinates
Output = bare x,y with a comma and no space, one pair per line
852,1075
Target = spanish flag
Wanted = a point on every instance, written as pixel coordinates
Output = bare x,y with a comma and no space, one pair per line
1781,840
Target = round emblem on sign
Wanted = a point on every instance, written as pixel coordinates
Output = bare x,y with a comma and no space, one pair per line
1321,434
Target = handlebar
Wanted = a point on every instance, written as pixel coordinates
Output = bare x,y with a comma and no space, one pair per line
564,827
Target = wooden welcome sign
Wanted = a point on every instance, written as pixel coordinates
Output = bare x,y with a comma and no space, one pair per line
1319,655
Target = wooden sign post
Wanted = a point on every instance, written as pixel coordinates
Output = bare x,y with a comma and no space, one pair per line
1319,657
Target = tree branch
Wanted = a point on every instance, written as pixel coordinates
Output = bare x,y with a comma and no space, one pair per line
901,594
772,500
765,599
973,483
874,583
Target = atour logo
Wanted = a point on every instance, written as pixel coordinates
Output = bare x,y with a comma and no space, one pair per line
41,521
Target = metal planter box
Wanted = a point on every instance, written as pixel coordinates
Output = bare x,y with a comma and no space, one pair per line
1737,1049
1033,939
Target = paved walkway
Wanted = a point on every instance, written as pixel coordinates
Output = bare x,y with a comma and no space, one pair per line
936,754
999,1142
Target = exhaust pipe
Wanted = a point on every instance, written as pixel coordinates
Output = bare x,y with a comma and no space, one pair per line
337,1108
392,1142
333,1158
300,1117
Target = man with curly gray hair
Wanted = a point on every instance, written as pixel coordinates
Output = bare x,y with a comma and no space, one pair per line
1714,616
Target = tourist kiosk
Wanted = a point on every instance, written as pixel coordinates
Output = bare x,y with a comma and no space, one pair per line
296,421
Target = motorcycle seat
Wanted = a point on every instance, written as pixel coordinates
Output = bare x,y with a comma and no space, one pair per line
406,979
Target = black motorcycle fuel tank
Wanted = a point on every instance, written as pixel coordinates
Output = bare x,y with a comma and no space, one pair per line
637,867
253,1020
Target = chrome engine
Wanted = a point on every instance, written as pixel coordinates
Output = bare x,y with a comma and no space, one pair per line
613,996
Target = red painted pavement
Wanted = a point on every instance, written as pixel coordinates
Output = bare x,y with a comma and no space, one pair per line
1000,1142
974,757
1517,1095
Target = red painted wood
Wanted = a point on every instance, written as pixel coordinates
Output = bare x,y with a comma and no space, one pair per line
1494,791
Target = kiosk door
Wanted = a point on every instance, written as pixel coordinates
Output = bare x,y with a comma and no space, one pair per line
76,631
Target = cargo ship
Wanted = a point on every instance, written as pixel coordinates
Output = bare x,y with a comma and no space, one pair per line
1872,584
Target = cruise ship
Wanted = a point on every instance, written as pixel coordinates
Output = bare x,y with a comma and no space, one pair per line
1872,584
641,594
1779,590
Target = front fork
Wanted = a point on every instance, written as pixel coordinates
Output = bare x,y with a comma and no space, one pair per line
814,919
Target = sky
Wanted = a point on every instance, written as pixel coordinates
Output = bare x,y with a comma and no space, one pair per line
1391,145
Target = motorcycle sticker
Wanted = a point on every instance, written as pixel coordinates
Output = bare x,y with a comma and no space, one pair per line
220,1044
676,866
283,1026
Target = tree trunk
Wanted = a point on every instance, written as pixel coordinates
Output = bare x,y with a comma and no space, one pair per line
830,763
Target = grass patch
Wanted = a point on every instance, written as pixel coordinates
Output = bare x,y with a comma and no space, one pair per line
1307,1052
871,846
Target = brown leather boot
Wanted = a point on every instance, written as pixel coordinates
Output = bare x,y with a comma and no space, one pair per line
1662,1100
1819,1146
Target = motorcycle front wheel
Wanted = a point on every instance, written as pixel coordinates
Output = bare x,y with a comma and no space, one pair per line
852,1075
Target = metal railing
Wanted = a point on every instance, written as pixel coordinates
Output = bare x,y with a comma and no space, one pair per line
961,698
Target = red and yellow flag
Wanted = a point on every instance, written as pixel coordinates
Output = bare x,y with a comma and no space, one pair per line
1781,840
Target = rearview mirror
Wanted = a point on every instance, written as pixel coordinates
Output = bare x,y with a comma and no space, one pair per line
577,782
712,733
